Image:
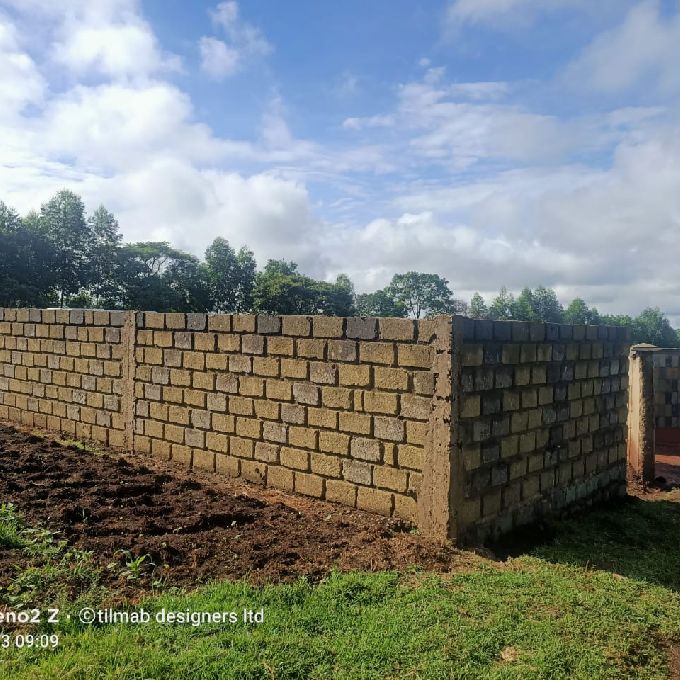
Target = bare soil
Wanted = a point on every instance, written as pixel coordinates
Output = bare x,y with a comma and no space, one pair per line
674,654
193,526
667,469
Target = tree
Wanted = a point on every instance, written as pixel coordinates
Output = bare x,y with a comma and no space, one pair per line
578,312
523,308
246,285
379,303
155,276
103,255
62,222
502,306
546,306
281,289
230,276
186,281
422,294
337,299
478,308
25,274
652,326
617,320
223,275
540,304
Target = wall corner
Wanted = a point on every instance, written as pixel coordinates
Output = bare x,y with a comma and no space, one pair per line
436,513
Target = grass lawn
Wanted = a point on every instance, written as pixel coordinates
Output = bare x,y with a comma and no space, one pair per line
602,600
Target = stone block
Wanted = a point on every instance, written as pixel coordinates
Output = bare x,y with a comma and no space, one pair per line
372,500
365,449
268,325
357,471
396,329
362,328
327,327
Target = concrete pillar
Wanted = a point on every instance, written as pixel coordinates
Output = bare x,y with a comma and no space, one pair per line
128,339
441,492
641,444
434,513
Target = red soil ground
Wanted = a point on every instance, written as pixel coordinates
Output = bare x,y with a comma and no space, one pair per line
668,467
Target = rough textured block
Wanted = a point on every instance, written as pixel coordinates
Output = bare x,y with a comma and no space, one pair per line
252,344
365,449
243,323
391,429
377,353
372,500
355,423
327,327
357,472
305,393
334,442
298,326
309,485
362,328
342,350
355,376
341,492
416,356
396,329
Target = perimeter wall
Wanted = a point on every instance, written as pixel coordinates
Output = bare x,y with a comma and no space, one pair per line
467,428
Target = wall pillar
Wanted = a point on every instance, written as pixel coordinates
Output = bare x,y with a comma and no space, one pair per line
127,397
438,496
641,423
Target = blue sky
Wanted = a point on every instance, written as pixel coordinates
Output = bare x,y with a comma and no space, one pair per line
495,142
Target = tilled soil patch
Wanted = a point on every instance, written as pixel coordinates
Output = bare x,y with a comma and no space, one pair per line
193,526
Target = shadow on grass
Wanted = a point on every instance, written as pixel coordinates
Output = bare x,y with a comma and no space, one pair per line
633,537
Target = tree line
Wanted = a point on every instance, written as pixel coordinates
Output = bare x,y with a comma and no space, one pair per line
60,256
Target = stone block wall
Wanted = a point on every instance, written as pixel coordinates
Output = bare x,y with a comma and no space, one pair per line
667,388
542,421
330,407
66,370
468,428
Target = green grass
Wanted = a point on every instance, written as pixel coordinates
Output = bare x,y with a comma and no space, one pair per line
10,527
640,539
549,614
87,446
47,570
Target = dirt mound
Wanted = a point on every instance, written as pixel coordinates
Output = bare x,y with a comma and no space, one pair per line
193,526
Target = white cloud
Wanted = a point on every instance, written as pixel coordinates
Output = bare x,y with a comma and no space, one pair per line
108,38
20,82
610,235
151,119
511,14
122,50
220,59
368,122
269,214
643,50
482,11
248,37
480,91
463,125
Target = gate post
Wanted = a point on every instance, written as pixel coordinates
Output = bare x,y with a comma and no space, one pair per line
641,441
